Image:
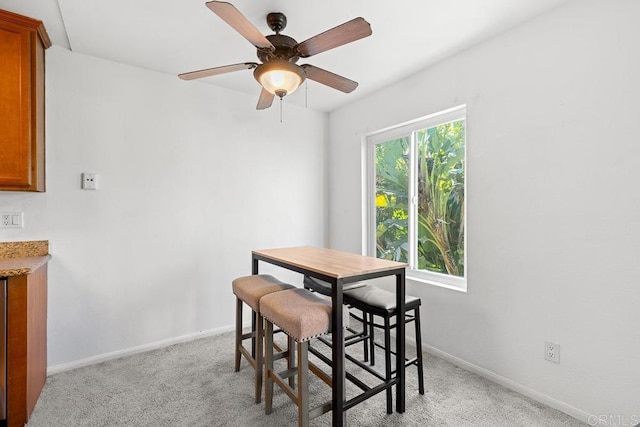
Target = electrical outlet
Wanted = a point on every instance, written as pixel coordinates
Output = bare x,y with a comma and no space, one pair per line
11,220
552,352
89,181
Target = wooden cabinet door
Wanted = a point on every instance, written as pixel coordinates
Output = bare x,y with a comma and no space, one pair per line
26,343
21,104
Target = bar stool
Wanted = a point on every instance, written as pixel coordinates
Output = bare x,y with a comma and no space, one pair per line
324,288
371,300
302,316
374,301
250,289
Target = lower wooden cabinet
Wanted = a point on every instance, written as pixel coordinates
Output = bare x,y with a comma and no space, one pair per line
26,343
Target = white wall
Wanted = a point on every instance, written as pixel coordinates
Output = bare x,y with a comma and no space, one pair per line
192,178
553,209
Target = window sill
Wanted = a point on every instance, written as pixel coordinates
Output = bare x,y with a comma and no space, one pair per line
454,283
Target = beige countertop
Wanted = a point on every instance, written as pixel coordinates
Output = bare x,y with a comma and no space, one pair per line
18,258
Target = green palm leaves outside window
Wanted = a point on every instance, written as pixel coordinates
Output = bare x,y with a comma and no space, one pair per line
440,198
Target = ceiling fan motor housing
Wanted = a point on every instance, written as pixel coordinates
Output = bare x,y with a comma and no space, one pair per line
285,49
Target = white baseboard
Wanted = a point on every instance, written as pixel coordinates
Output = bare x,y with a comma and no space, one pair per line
510,384
135,350
492,376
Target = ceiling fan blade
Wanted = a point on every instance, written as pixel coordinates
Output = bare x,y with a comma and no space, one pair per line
240,23
208,72
330,79
265,100
342,34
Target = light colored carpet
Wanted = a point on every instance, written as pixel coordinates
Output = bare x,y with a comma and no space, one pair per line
193,384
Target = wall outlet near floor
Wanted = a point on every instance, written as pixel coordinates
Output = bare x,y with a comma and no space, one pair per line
11,220
552,352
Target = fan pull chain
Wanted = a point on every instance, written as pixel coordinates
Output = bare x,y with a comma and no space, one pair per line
306,85
280,109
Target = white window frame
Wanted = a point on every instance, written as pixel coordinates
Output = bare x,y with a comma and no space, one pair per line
369,191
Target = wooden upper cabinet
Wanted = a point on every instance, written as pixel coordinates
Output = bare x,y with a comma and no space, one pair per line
22,148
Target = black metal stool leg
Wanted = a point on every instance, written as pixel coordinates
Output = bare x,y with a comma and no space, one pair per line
365,342
372,338
416,319
387,362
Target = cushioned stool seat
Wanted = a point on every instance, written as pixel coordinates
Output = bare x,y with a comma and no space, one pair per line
250,289
303,316
377,299
299,313
324,288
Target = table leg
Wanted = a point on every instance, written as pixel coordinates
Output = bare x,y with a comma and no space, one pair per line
400,341
337,352
254,270
254,265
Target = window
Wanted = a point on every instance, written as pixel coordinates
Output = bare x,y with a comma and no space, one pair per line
415,187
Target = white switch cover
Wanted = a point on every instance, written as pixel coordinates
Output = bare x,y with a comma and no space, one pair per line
89,181
11,220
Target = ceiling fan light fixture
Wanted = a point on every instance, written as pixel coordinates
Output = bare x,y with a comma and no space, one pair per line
278,74
279,77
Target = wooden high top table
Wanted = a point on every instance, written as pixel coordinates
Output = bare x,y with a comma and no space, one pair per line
340,268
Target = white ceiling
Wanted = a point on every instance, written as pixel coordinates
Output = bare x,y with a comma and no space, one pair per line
176,36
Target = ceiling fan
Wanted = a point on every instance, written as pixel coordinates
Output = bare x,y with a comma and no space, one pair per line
278,74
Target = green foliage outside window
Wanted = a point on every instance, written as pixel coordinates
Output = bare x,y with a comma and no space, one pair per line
440,191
